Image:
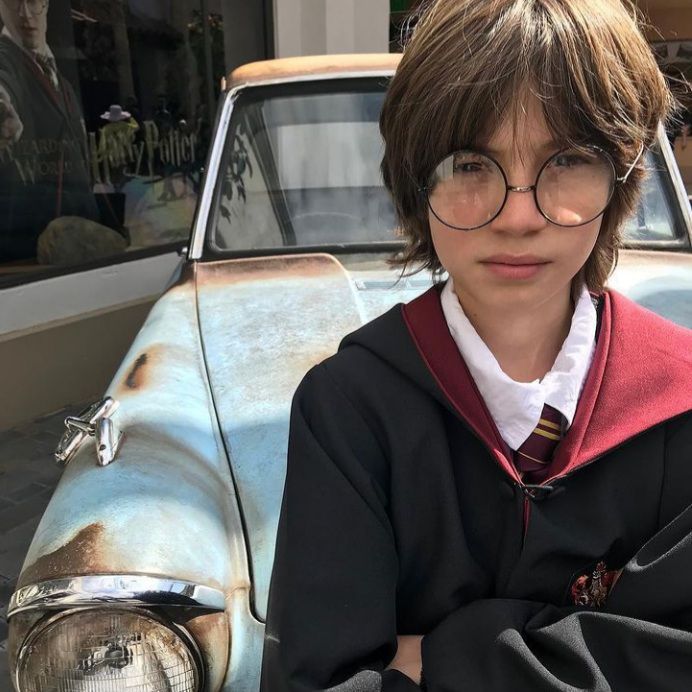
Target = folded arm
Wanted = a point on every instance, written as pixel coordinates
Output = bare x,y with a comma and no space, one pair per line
332,621
640,640
332,608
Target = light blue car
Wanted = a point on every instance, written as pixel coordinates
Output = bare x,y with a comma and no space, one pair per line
150,568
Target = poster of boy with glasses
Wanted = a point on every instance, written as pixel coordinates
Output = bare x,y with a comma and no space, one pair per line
43,155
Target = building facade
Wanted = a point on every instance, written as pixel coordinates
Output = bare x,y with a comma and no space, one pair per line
106,112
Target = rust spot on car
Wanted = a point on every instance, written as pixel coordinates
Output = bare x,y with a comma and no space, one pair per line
135,377
139,373
227,272
211,631
327,65
80,555
187,275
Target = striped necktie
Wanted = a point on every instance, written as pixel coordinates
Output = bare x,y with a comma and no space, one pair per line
48,67
533,458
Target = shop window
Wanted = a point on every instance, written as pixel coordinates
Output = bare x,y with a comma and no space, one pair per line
105,123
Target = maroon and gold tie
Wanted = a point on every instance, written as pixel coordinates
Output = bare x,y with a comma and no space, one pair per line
48,67
533,458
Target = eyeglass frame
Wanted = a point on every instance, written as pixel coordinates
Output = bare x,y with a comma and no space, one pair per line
42,3
425,190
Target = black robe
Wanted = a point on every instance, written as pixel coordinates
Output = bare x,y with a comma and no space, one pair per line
402,514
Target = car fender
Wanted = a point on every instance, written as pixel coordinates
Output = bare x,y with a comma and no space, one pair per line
166,506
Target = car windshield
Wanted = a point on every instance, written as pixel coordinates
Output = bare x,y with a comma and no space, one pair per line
301,169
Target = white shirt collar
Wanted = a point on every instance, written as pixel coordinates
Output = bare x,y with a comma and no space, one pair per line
47,52
516,406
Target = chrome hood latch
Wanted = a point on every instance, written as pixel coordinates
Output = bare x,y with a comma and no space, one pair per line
93,421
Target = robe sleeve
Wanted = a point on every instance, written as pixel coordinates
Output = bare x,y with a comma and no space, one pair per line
331,621
641,640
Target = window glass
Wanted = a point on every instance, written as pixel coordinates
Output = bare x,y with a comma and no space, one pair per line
105,123
303,171
655,219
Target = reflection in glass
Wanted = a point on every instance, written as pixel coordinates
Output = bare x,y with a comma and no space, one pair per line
105,123
304,171
654,219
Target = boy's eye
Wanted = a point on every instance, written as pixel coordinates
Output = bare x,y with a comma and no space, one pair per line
467,167
571,159
465,164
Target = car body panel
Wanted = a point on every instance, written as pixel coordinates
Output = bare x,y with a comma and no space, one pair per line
264,323
660,281
166,505
247,635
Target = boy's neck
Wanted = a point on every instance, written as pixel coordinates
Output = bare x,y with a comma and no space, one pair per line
525,343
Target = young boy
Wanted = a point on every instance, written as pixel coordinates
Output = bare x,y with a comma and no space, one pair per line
491,487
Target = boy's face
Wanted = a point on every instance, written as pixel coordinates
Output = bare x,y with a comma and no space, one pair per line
520,260
27,21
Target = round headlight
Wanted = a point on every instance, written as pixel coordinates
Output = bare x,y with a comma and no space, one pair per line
108,649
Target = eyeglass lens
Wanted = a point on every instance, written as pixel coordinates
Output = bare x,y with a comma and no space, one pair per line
33,6
468,189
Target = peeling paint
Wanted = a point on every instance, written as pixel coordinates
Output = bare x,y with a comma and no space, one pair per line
264,323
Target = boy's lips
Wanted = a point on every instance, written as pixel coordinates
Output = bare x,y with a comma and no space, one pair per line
515,266
515,260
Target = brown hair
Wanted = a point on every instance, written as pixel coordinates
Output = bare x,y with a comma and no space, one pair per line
466,67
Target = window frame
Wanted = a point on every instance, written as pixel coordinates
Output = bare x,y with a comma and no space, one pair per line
18,278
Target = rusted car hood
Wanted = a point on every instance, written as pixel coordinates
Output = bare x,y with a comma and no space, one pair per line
264,323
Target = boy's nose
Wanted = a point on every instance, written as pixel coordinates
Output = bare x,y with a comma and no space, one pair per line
520,213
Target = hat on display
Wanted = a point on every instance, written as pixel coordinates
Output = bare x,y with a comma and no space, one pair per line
115,114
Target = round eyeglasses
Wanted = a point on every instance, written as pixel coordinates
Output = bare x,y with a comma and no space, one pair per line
469,189
34,7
